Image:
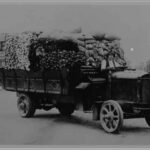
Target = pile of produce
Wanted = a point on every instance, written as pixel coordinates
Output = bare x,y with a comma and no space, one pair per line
35,51
17,47
54,54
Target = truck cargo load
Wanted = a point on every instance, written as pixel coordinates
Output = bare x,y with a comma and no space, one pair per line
36,51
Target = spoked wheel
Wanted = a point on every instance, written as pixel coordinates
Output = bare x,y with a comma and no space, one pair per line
111,116
25,106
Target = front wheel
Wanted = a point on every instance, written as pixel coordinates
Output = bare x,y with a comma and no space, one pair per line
111,116
66,109
25,106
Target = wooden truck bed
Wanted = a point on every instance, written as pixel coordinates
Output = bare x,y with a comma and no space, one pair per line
28,81
61,82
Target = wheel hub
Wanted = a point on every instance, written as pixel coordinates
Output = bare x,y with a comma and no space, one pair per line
22,105
110,114
110,117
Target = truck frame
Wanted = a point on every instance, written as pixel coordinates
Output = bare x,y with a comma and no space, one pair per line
111,95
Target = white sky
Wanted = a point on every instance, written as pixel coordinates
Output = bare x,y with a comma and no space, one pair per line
130,22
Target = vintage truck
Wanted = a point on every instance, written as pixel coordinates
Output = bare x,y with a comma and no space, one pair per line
111,95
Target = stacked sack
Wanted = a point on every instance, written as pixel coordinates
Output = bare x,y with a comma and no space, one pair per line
102,50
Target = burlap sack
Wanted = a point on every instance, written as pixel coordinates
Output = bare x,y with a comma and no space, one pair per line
103,64
116,64
89,46
83,49
90,41
121,52
111,37
79,36
89,53
80,43
100,51
91,62
88,37
98,35
77,30
111,64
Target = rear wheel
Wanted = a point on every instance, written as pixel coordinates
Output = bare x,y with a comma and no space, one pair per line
111,116
25,106
66,109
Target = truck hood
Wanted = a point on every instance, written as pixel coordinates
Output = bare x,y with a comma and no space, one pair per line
129,74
